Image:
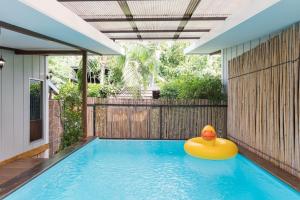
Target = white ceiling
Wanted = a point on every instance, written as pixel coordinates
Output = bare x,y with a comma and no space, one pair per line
20,41
258,19
49,18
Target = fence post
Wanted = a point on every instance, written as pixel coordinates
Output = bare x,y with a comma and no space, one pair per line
94,120
160,122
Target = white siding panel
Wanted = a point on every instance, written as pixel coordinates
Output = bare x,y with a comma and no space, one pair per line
18,103
35,67
14,102
42,68
246,46
7,104
240,49
26,116
46,95
1,111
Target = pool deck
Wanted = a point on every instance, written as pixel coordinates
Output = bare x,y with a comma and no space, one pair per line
13,175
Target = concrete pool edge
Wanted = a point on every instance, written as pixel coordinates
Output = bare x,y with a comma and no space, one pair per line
17,182
287,178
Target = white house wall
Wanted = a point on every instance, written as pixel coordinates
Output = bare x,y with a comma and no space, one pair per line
14,102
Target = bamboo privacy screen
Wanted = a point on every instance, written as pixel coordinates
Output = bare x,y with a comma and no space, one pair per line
154,119
263,100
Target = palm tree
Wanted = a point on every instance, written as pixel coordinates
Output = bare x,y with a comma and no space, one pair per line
146,56
132,78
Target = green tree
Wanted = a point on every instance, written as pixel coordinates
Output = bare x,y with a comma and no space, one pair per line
60,68
116,65
70,100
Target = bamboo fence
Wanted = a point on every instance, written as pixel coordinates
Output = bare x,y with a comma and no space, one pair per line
263,100
154,119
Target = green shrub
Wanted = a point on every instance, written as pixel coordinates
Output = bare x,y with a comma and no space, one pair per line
193,87
70,100
102,91
169,90
93,90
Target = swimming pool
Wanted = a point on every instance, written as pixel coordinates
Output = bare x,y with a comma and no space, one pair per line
127,169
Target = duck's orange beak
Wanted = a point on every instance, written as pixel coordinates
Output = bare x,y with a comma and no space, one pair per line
208,135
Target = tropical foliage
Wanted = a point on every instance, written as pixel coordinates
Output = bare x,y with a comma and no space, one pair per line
60,69
174,63
147,64
194,87
69,97
102,90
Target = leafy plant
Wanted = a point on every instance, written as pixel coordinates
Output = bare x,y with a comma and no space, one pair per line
93,90
60,68
116,65
108,90
194,87
102,90
70,100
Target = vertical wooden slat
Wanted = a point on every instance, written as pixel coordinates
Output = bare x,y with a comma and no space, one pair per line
263,99
173,119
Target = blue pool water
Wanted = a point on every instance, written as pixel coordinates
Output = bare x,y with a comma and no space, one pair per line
116,169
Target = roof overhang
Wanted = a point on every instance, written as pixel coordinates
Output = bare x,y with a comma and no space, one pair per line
48,25
257,20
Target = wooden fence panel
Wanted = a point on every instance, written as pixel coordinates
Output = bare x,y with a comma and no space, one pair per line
263,100
155,119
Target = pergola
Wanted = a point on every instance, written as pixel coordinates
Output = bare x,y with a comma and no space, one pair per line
154,19
91,26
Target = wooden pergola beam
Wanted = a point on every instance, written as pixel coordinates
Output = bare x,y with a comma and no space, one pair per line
155,19
156,31
155,38
47,52
187,16
84,93
98,0
127,12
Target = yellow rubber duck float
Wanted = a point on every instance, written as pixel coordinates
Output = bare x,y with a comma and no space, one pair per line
208,146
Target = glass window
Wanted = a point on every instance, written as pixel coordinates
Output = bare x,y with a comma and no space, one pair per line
36,109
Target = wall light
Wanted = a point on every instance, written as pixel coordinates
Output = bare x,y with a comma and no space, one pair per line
2,61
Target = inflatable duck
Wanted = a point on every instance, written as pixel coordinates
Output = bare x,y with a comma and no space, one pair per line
208,146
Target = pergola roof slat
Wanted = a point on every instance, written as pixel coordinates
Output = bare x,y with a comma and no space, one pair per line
157,38
151,19
120,19
155,31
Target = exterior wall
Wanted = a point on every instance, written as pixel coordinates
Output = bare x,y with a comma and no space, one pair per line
14,102
234,51
263,100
